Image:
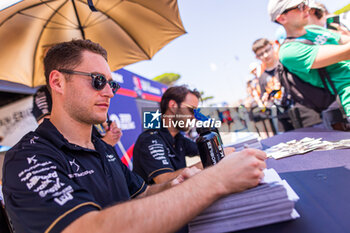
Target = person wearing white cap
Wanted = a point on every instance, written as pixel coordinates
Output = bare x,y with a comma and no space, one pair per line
328,49
318,14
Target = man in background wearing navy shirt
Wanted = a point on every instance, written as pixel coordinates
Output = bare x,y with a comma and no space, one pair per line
61,178
159,154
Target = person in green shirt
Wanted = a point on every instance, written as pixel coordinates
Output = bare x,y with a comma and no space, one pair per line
330,50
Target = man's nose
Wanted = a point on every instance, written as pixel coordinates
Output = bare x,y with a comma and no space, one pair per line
107,91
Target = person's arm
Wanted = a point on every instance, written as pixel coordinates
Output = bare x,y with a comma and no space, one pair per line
344,39
343,31
151,156
331,54
165,177
169,210
185,174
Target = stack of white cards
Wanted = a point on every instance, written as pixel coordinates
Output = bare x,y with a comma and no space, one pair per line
295,147
270,202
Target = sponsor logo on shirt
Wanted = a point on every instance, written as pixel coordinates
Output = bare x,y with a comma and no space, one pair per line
32,160
157,151
165,162
81,174
74,165
32,140
29,174
44,164
322,39
64,196
42,178
170,154
34,180
110,157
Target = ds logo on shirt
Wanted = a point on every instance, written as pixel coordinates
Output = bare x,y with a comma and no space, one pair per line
151,119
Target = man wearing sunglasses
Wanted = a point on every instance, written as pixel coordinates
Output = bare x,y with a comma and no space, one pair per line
159,154
60,178
42,105
325,49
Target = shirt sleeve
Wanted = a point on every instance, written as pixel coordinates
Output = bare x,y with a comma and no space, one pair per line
152,156
136,184
298,57
39,195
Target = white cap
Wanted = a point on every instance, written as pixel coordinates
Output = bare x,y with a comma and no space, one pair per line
277,7
313,4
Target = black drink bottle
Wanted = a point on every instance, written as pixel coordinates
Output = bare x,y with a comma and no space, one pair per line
210,147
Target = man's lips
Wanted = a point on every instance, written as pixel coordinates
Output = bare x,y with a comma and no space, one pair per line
103,105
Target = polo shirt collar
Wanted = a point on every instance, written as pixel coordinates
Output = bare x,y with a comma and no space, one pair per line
51,133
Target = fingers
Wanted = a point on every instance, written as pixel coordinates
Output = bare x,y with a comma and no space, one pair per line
184,175
262,176
117,131
335,25
105,126
261,155
189,172
113,126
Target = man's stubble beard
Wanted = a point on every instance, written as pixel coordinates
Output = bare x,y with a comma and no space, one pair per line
82,114
177,119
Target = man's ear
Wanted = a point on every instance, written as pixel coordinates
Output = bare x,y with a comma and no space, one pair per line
173,106
281,19
57,81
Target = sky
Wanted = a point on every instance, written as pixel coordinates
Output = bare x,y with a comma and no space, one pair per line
215,53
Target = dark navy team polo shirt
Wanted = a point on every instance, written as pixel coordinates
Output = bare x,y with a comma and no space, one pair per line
157,152
48,182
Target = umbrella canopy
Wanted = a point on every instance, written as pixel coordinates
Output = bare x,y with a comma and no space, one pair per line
130,30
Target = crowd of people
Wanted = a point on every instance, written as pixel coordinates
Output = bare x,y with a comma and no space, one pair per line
66,176
303,47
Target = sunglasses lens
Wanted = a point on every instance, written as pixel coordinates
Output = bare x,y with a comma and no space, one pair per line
98,82
114,86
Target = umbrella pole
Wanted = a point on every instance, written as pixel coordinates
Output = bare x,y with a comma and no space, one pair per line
80,26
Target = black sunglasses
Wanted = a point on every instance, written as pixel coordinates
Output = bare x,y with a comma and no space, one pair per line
99,81
302,7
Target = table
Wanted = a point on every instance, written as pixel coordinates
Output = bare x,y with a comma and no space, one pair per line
311,160
322,181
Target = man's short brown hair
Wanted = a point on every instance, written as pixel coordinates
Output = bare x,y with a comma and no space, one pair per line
259,44
176,93
68,55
